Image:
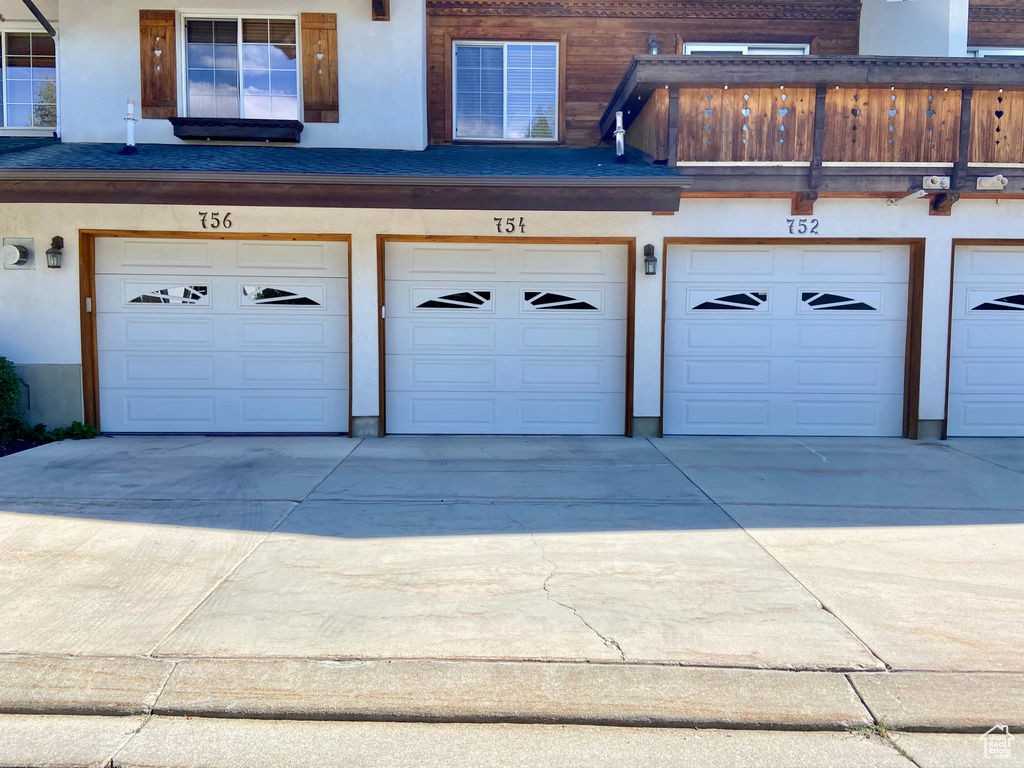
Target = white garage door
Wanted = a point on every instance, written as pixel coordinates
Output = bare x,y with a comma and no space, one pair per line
785,339
222,335
489,338
986,365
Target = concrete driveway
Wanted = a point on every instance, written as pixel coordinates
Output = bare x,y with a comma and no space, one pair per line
809,554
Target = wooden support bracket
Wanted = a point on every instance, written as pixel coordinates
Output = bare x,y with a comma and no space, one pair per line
942,204
803,204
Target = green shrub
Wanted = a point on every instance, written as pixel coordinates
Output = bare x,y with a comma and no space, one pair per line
10,390
13,427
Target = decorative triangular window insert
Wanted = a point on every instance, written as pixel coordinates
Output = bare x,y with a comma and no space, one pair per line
818,300
548,300
748,300
1011,303
175,294
277,296
460,300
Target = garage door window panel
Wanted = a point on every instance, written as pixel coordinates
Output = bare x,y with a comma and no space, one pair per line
999,302
278,296
718,301
460,300
163,295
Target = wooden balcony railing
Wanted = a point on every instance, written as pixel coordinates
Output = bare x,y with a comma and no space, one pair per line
817,111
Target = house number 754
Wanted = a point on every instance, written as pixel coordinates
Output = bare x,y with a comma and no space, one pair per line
215,220
509,225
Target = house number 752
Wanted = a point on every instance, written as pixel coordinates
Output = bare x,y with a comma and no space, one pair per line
215,220
509,225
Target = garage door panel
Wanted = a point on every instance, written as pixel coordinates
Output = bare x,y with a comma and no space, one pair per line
213,411
506,339
720,414
227,370
222,336
221,333
761,339
977,375
162,256
505,413
985,416
785,375
411,373
986,365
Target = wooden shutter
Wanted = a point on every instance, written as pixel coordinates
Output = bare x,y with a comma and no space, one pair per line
158,65
320,67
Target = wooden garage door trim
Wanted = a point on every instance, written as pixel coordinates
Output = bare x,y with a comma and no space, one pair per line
629,242
915,306
87,302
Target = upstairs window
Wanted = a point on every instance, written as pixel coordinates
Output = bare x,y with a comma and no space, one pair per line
28,80
981,53
242,68
745,49
506,91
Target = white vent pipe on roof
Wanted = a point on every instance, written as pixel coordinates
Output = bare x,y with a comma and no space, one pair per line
620,139
129,121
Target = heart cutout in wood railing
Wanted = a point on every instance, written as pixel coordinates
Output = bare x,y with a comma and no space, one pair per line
709,112
999,114
893,112
783,111
930,112
746,111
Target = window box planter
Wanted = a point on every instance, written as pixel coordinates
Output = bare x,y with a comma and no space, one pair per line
236,129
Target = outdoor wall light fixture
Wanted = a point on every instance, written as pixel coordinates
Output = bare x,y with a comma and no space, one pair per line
54,254
650,260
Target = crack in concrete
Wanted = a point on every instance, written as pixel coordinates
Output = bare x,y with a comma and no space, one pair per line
819,455
608,641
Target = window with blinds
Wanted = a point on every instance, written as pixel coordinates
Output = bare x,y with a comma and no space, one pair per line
505,91
28,80
242,68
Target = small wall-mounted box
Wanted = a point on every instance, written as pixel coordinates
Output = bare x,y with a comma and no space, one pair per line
18,253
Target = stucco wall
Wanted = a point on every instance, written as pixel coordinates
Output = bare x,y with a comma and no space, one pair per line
913,28
39,309
381,65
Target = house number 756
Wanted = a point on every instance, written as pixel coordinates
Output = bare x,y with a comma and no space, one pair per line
215,220
508,225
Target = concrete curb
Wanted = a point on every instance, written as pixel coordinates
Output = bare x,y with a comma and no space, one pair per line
516,692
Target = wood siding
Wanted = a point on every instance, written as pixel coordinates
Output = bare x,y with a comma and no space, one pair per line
746,124
884,125
997,124
649,132
600,47
996,23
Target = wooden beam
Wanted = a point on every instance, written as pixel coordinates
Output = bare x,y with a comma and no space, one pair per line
803,204
942,204
818,146
673,127
959,175
469,197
